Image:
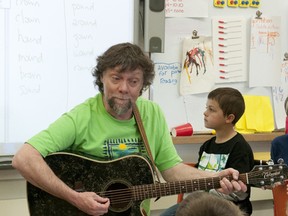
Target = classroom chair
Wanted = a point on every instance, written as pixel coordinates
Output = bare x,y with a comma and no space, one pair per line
280,199
180,196
279,149
279,195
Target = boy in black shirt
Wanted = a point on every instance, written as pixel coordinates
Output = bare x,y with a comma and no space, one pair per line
228,148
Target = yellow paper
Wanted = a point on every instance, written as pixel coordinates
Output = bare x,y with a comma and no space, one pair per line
258,115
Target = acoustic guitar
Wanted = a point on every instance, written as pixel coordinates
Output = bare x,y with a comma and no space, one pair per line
126,182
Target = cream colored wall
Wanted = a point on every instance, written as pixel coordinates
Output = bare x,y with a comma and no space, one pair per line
12,194
14,207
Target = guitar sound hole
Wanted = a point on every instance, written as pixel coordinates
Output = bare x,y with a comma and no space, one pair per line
119,195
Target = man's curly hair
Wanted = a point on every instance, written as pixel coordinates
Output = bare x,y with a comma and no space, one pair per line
128,57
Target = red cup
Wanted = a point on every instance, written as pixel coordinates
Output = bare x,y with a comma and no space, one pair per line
182,130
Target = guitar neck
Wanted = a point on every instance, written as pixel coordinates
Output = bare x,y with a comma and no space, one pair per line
142,192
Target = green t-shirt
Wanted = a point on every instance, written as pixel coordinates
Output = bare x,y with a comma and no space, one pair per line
90,129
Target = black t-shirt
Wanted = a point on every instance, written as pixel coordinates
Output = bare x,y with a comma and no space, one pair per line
235,153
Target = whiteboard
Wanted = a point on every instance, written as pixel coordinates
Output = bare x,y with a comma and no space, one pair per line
50,50
181,109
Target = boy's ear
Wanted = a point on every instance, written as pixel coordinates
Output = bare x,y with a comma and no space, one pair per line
230,118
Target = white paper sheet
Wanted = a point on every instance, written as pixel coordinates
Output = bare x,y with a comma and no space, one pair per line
197,73
265,51
280,93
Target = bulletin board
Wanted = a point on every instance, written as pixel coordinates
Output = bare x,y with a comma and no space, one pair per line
179,108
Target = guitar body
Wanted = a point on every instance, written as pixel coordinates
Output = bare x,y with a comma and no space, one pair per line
85,174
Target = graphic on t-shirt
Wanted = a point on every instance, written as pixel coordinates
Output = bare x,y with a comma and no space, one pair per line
117,148
213,162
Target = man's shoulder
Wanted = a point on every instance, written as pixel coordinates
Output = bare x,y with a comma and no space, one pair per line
144,103
150,110
91,101
85,107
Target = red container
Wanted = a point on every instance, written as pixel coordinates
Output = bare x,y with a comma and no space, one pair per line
182,130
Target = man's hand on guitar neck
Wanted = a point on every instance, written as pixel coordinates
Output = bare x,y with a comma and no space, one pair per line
183,171
91,203
235,185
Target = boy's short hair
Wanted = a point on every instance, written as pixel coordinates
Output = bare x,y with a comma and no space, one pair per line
230,101
201,203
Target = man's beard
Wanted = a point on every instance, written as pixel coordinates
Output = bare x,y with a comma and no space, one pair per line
119,109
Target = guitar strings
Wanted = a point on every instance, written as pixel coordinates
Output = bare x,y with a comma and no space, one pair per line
142,192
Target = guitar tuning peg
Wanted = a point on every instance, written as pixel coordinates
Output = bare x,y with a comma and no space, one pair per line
280,161
270,162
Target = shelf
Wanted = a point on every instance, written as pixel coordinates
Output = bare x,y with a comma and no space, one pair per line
201,138
6,162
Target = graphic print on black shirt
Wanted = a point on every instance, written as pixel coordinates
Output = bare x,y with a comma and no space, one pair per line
213,162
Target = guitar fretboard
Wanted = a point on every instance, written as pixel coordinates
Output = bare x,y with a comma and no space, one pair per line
171,188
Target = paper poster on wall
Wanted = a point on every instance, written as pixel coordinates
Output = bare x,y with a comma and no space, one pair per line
265,51
280,93
258,115
229,48
197,74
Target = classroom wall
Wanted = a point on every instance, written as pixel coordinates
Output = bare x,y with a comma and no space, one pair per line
52,77
179,108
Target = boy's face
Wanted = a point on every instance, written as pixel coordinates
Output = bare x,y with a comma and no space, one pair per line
213,116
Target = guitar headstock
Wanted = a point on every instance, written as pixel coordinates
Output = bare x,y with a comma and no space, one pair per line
267,175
